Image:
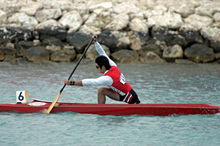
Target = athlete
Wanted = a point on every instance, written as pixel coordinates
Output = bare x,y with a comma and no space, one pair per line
117,87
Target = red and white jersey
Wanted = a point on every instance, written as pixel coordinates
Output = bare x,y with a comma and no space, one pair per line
120,85
112,77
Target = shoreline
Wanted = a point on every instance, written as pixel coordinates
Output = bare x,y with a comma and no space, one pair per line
149,31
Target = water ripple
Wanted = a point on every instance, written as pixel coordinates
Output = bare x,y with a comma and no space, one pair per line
166,83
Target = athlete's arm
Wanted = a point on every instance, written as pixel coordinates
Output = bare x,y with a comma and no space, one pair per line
101,51
77,83
103,80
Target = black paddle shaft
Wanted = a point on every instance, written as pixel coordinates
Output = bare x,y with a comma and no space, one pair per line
78,62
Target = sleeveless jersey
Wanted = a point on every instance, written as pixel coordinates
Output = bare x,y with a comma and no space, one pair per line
120,85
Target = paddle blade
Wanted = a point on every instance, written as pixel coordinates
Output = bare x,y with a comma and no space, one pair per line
53,103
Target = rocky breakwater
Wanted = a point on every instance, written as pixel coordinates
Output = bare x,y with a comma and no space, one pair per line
146,31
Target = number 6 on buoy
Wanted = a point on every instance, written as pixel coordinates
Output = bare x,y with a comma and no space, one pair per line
21,96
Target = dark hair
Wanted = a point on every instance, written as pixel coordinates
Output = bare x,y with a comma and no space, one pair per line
102,60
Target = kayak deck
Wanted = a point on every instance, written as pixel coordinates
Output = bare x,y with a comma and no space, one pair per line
37,106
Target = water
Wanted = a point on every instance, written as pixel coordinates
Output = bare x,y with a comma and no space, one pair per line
154,83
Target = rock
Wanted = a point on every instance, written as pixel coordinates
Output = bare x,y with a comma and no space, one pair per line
66,5
216,17
199,53
52,41
92,53
213,35
71,20
37,54
36,42
191,36
60,57
66,55
157,10
23,20
173,52
5,52
139,15
150,57
97,20
47,14
123,39
2,57
101,6
10,45
161,44
3,17
93,24
125,8
183,61
125,56
22,47
48,23
119,22
171,37
215,45
198,21
138,25
14,34
69,50
31,9
137,40
184,9
217,56
168,19
107,38
89,30
26,44
78,40
10,58
124,42
10,7
51,28
207,9
153,48
216,24
53,48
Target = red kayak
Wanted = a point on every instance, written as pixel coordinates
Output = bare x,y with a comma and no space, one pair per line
38,106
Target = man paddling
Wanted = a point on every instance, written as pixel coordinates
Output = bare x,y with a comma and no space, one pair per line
118,88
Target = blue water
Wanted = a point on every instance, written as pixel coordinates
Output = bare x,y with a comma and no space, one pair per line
154,83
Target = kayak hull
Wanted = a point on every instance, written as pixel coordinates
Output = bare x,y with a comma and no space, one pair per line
38,106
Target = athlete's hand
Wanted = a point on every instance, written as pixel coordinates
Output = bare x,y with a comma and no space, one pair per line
67,82
95,38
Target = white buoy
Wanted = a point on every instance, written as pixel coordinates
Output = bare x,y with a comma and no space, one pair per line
21,96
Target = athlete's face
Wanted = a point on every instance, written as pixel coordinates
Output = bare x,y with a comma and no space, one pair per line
100,69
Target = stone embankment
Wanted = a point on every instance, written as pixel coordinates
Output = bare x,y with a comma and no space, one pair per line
146,31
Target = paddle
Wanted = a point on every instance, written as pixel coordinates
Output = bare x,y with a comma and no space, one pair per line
58,95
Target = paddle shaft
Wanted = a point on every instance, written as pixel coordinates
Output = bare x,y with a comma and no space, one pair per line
78,62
